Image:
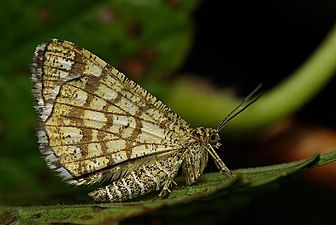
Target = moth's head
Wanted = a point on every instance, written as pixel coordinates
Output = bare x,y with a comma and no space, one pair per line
207,136
214,138
211,136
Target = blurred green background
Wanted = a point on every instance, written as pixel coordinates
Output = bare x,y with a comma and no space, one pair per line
198,57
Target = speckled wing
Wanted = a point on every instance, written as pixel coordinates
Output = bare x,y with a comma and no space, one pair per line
92,118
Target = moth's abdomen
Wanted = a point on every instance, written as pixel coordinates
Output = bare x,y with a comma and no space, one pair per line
145,179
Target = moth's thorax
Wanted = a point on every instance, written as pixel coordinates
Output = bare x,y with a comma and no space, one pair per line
207,136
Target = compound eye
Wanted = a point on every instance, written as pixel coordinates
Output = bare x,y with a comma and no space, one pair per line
213,139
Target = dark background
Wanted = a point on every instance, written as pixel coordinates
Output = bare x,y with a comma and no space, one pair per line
241,43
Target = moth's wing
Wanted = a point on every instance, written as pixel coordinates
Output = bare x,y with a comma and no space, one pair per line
92,117
121,170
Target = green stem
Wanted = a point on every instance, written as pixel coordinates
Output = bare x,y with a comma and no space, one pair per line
208,107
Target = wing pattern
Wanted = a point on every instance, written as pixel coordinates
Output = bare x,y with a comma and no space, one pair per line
93,118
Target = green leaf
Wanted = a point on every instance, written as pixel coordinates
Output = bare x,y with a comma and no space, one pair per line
210,186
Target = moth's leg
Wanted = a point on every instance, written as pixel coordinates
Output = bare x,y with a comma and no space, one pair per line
219,163
171,173
188,169
150,177
194,162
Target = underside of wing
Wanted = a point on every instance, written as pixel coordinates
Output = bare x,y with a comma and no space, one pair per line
120,170
92,117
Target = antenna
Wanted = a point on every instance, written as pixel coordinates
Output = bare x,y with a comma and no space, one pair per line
247,101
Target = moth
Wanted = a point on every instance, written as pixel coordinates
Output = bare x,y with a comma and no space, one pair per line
96,125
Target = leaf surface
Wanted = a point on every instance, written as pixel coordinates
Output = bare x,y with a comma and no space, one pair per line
211,185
